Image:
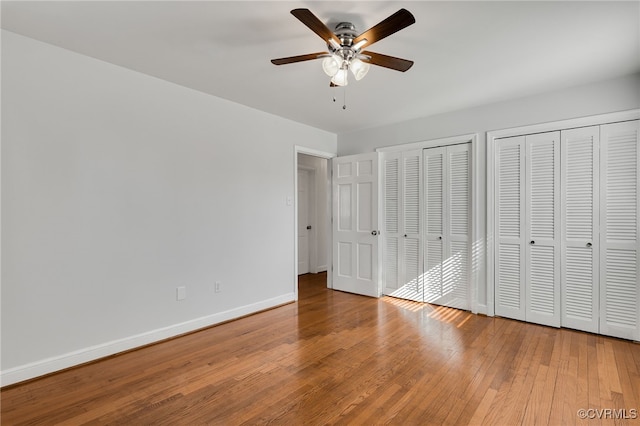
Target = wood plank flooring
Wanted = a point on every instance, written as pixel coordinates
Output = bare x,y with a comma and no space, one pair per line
338,358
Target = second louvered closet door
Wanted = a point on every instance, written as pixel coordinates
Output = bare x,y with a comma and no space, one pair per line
402,252
527,218
542,218
447,220
579,211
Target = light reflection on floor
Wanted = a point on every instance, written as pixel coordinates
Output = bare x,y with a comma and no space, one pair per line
443,314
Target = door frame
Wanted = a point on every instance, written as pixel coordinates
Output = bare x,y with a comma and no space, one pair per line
297,149
593,120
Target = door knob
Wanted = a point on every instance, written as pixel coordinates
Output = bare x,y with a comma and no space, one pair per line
440,237
374,232
532,242
589,244
308,226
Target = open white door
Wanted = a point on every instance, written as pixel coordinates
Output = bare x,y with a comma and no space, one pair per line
355,224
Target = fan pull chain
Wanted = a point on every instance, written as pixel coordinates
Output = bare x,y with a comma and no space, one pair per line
344,97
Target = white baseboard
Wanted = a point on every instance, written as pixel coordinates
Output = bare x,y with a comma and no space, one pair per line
92,353
322,268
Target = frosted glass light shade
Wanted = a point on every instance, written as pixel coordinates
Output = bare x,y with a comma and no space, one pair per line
330,65
359,68
340,79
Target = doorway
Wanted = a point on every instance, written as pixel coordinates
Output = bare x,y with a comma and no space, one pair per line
313,215
306,178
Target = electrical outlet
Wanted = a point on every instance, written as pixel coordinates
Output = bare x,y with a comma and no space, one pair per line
181,293
217,288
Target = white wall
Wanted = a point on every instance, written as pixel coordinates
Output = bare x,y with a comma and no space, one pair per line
117,188
604,97
321,203
608,96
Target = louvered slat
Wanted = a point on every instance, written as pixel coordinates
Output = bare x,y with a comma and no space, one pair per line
459,193
579,192
622,189
621,288
508,271
411,194
391,195
541,282
455,276
434,193
391,262
412,265
433,271
509,190
542,194
578,291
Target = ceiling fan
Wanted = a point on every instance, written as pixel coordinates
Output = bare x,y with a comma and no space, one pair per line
345,46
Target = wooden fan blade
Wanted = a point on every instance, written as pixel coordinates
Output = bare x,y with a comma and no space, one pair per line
394,23
390,62
299,58
310,20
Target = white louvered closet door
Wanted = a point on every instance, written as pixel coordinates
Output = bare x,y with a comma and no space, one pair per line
542,216
509,228
391,232
433,163
579,270
447,189
411,241
455,269
402,254
619,239
527,228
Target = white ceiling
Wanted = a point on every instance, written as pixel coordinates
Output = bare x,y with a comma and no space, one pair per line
466,53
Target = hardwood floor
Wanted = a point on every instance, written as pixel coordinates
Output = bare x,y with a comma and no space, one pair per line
340,358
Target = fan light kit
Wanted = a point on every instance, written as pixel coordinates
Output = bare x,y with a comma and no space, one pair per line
345,57
345,47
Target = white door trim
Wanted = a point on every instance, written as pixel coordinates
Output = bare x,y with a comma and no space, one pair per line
297,149
519,131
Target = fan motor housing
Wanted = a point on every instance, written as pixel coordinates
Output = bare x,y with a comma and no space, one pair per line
346,32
